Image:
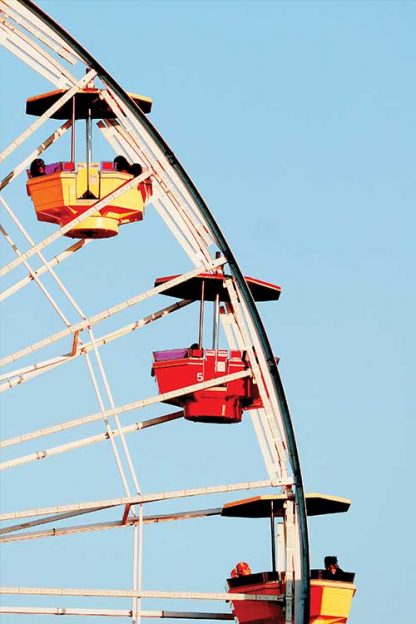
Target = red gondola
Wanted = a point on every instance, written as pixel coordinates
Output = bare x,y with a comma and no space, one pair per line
256,611
224,403
178,368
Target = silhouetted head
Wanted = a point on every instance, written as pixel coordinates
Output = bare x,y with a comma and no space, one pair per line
136,169
331,564
121,164
37,168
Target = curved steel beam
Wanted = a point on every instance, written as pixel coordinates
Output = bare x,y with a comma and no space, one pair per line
223,245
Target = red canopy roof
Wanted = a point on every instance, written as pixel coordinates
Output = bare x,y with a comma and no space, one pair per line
214,284
260,506
88,98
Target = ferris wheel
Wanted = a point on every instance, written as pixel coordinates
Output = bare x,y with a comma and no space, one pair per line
117,389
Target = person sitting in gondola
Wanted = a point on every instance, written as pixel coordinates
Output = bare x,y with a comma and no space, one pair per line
333,571
241,569
121,164
194,351
136,169
37,168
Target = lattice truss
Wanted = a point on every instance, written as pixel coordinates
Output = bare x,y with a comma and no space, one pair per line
80,336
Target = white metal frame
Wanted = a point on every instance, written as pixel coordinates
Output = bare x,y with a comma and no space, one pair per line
39,47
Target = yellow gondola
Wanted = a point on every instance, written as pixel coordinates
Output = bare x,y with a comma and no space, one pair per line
65,190
68,189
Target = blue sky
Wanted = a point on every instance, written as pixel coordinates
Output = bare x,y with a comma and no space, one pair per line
296,121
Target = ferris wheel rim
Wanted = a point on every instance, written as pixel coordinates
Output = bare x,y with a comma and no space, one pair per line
90,61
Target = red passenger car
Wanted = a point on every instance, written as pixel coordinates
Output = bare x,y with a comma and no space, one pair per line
224,403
